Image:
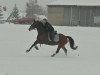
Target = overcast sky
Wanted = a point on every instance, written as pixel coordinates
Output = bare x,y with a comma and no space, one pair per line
20,3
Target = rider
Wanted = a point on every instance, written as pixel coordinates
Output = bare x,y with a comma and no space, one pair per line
48,28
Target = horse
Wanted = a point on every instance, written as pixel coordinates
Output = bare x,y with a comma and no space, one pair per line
42,38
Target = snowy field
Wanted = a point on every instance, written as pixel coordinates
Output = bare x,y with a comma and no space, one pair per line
16,39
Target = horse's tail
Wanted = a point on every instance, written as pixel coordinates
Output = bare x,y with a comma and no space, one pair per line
71,41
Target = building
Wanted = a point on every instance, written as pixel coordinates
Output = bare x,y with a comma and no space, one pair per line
74,12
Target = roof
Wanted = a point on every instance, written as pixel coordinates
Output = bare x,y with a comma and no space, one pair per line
76,2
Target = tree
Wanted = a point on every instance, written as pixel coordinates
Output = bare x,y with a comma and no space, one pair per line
15,12
5,8
33,8
1,12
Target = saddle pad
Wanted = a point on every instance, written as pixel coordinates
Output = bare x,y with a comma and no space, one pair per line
56,38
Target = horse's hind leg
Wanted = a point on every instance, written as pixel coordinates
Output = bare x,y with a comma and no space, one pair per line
57,51
65,50
35,43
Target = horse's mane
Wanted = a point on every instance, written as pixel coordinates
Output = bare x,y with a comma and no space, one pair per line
39,22
40,25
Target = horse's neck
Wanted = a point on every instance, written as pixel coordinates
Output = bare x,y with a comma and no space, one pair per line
39,31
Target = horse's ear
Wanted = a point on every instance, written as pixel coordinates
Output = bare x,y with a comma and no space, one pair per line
34,20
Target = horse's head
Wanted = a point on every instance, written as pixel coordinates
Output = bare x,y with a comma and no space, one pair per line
34,25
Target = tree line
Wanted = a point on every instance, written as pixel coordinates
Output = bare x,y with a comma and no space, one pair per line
32,8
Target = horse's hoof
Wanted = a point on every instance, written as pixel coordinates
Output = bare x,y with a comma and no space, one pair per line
53,55
36,48
27,51
76,47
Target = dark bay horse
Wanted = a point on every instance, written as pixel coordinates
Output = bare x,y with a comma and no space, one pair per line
42,38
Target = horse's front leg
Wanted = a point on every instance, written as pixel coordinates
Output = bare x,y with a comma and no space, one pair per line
35,44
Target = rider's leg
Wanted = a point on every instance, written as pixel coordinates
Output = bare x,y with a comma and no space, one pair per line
52,36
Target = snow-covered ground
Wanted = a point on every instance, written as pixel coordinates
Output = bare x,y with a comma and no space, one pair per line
16,39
